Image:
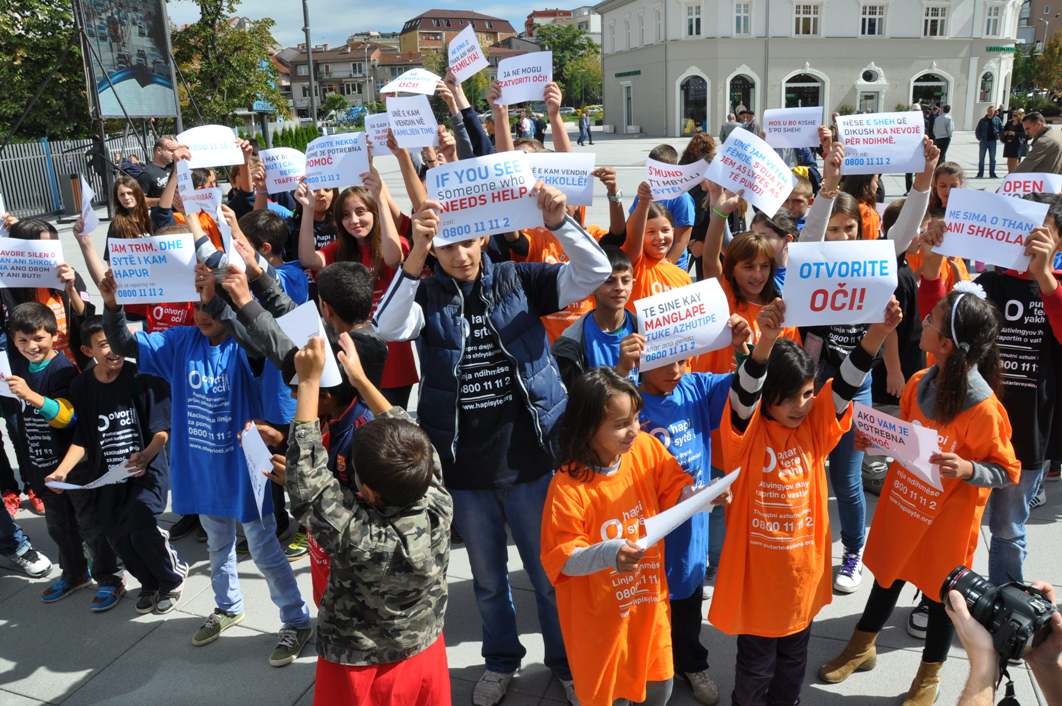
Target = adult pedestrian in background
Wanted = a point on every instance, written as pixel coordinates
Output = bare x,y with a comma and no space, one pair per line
943,129
154,175
988,130
728,127
1045,150
1015,143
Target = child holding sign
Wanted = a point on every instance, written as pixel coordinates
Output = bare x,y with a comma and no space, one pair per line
650,236
920,533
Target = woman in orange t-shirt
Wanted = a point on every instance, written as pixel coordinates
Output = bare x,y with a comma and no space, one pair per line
612,596
650,236
921,532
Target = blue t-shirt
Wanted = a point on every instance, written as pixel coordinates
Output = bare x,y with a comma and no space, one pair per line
278,406
214,394
779,279
683,422
682,209
601,348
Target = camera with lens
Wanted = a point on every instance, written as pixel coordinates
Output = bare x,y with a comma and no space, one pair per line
1016,615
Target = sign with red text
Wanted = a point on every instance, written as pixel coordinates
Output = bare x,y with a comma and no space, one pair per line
194,200
412,121
466,56
669,181
153,270
839,282
882,143
1031,183
211,146
684,322
30,263
523,78
413,81
335,161
483,196
569,172
990,227
792,127
910,444
748,166
284,166
376,127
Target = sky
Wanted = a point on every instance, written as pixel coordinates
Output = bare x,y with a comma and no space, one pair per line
332,21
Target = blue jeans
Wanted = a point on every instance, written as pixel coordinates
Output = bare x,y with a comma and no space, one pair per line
13,541
268,557
481,517
1008,510
990,148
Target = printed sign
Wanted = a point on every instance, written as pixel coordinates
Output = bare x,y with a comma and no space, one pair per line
334,161
523,78
88,214
792,127
910,444
413,81
195,200
1031,183
669,181
748,166
284,166
662,524
303,323
569,172
259,462
483,196
154,270
30,263
989,227
466,56
376,127
847,282
412,121
882,143
683,322
211,146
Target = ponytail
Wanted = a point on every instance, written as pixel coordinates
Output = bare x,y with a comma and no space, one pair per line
972,323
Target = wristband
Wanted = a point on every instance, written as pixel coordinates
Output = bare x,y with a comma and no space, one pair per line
829,194
720,213
616,197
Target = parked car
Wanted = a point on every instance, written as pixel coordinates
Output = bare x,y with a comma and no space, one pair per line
567,110
141,57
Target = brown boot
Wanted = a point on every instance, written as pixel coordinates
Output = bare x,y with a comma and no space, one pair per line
859,655
926,685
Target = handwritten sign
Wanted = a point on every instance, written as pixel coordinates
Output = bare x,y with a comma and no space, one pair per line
792,127
569,172
882,143
1030,183
483,196
910,444
335,161
154,270
523,78
88,214
259,462
284,166
669,181
30,263
989,227
662,524
412,121
846,282
413,81
466,56
748,166
682,323
211,146
303,323
376,127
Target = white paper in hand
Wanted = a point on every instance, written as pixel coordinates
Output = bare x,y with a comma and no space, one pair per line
88,213
301,324
118,473
659,526
233,255
3,210
259,461
5,372
910,444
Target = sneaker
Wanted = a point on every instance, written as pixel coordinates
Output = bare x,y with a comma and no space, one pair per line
218,622
850,574
61,588
1039,499
918,620
145,602
107,597
12,501
703,687
29,562
491,688
168,601
289,645
569,691
298,547
36,504
184,526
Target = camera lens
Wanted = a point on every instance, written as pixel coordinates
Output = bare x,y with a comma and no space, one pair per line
975,590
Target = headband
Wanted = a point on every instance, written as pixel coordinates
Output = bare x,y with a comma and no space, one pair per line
964,288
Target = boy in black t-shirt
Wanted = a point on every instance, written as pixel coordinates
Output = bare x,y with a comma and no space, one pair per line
124,421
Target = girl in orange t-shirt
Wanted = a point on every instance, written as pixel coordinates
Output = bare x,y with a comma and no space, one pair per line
921,532
864,189
650,236
612,596
774,575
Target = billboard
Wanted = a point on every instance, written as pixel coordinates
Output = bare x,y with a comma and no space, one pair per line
128,57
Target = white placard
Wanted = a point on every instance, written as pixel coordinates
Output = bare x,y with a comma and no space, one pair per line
30,263
211,146
989,227
413,81
412,121
284,166
483,196
301,324
335,161
88,213
376,127
5,372
1019,184
523,78
845,282
569,172
118,473
748,166
882,143
661,525
466,56
206,200
233,255
259,462
910,444
792,127
3,212
154,270
669,181
684,322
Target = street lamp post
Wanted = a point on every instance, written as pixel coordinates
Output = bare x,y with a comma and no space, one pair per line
309,61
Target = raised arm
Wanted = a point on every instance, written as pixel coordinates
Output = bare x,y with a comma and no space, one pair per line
503,135
461,139
905,229
587,265
308,255
635,242
1041,247
561,141
398,317
747,385
122,341
617,219
390,246
818,216
721,203
414,186
97,268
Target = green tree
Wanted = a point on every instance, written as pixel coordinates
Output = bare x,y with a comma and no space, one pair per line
333,101
1024,74
1049,65
584,84
568,44
475,87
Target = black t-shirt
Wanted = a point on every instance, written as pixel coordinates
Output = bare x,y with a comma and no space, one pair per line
45,445
324,232
153,180
908,333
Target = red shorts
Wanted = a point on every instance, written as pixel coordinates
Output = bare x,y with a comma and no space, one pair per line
320,566
421,680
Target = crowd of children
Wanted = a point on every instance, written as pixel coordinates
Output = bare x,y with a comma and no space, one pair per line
534,424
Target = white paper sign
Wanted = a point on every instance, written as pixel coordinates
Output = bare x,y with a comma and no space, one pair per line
154,270
882,143
211,146
661,525
301,324
792,127
116,474
195,200
284,166
335,161
748,166
466,56
989,227
683,322
30,263
413,81
523,78
412,121
88,213
3,212
234,257
1019,184
483,196
910,444
846,282
569,172
5,372
259,462
669,181
376,127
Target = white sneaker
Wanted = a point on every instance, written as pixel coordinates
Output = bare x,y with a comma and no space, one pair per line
850,574
569,691
29,562
703,687
491,688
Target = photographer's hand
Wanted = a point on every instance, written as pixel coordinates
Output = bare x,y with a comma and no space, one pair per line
984,660
1046,660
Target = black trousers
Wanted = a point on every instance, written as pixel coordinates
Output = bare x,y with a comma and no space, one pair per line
943,143
145,550
61,515
686,648
939,632
770,670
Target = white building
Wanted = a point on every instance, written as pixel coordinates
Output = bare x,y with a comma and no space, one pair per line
585,19
847,55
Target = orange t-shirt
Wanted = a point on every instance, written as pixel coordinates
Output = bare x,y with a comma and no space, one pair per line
54,301
919,534
871,221
210,228
774,575
615,625
655,276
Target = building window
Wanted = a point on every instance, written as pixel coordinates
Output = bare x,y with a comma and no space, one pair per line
803,91
872,23
806,19
397,71
435,23
743,18
993,19
490,25
935,21
357,68
984,93
929,89
693,20
611,46
302,70
659,25
641,30
742,94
